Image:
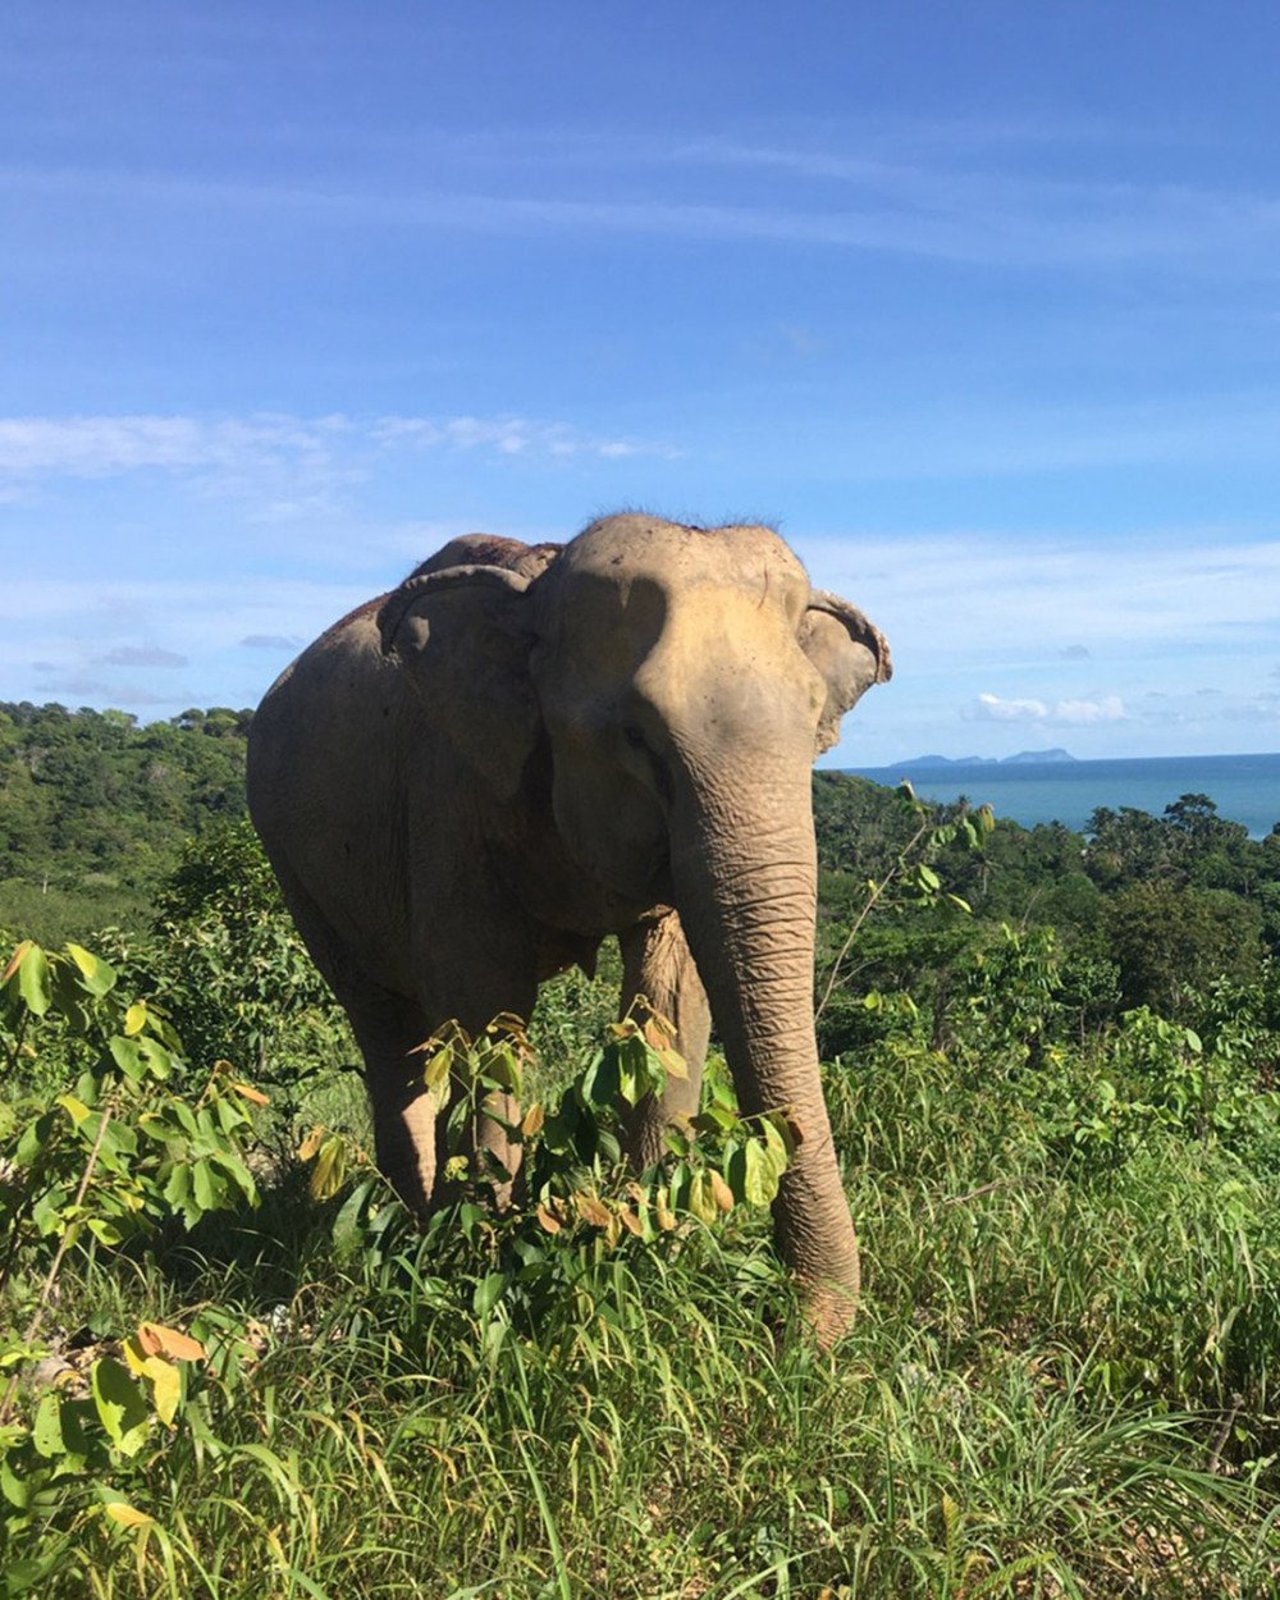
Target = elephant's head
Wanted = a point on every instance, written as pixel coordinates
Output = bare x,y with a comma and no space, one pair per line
685,680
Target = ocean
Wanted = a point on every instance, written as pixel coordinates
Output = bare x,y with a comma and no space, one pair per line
1244,788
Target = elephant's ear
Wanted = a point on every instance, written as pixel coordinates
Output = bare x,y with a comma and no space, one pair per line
848,651
463,635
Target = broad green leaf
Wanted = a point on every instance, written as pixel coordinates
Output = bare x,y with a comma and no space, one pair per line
488,1292
346,1225
501,1068
776,1140
95,974
46,1430
121,1408
128,1057
12,1487
35,983
761,1174
436,1072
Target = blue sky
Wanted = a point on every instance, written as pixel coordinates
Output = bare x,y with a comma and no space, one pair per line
980,304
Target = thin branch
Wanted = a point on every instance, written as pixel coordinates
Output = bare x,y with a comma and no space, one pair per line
866,911
64,1244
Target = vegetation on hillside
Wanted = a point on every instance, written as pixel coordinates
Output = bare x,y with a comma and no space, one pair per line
232,1368
94,808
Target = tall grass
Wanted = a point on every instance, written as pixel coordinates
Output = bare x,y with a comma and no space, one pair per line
1061,1383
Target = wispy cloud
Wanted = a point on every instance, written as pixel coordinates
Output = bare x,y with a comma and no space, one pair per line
510,436
234,451
128,655
975,595
270,641
882,194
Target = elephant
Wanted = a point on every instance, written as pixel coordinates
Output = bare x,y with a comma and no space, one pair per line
467,783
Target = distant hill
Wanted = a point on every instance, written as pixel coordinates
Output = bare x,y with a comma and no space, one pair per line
1023,758
95,807
1037,757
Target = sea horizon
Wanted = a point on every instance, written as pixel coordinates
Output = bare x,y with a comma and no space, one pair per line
1244,788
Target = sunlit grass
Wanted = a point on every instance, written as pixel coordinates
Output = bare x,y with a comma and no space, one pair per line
1060,1384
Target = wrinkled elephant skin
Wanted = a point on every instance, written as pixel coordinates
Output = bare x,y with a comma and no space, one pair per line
465,785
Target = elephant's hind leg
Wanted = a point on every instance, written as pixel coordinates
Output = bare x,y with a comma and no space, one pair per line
388,1028
656,963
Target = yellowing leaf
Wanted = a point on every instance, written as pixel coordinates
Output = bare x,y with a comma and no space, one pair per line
547,1220
309,1146
135,1017
166,1387
675,1064
720,1191
96,976
128,1516
255,1097
534,1118
75,1109
702,1200
330,1169
15,960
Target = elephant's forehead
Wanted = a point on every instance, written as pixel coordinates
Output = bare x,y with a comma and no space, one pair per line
639,569
665,637
670,552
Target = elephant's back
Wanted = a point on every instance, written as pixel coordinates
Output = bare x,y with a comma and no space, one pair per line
326,738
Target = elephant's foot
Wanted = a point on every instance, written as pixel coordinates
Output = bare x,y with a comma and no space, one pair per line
405,1144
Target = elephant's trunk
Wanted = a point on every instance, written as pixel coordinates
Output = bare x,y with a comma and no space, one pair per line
745,873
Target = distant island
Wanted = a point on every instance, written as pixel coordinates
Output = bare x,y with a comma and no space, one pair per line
1023,758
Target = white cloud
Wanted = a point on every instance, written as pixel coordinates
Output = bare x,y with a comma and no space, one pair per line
1048,714
991,707
1080,713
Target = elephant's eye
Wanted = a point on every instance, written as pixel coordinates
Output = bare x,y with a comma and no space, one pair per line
633,736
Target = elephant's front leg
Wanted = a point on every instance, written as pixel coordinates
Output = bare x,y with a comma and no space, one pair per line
656,964
388,1029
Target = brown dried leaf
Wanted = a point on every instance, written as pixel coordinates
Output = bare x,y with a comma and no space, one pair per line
157,1340
593,1210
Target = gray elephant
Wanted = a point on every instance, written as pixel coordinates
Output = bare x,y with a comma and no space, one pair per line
466,784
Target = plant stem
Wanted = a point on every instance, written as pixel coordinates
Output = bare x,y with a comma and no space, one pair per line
64,1244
